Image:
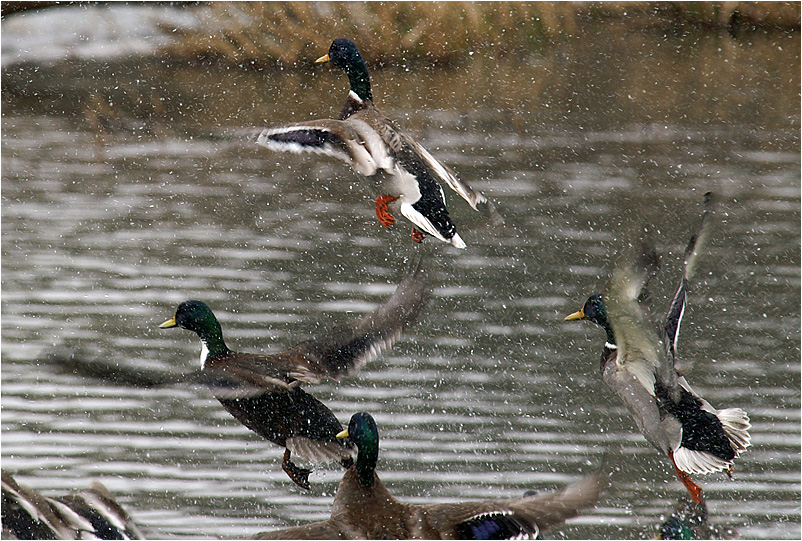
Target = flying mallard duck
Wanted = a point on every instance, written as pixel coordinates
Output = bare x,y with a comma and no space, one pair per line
641,367
364,509
369,142
263,391
91,514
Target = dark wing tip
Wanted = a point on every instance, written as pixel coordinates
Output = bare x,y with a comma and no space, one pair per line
343,350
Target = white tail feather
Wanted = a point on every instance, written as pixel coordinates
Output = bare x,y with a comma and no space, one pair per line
421,221
699,461
736,425
457,241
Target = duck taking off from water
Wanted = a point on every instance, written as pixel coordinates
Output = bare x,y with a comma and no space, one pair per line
371,143
640,365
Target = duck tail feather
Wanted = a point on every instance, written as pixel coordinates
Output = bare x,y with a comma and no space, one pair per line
691,461
736,425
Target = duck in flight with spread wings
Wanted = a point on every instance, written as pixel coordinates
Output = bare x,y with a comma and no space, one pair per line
640,365
371,143
263,391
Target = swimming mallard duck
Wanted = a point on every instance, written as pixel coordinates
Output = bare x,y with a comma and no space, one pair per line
369,142
641,367
263,391
91,514
364,509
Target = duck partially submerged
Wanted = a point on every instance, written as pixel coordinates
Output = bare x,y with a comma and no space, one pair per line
364,508
640,365
371,143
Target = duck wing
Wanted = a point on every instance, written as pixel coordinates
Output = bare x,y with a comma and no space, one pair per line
413,157
636,341
334,355
325,529
352,141
244,375
416,175
521,518
345,349
338,353
444,174
676,310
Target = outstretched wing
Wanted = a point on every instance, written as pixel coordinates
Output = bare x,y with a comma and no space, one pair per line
522,518
352,141
239,379
638,351
337,353
91,514
676,310
443,173
345,349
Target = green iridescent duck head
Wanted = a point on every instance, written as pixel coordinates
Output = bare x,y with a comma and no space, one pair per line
195,316
595,311
362,432
344,54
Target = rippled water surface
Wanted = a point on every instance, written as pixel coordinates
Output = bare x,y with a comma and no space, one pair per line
491,393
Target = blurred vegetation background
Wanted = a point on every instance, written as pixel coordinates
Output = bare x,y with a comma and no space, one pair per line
541,63
262,34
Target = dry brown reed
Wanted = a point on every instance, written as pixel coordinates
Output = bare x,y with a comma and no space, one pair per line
266,33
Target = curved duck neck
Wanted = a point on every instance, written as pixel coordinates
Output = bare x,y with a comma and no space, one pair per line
360,81
610,344
366,465
211,336
359,97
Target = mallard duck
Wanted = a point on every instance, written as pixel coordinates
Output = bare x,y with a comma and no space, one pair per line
91,514
689,521
369,142
641,367
364,509
263,391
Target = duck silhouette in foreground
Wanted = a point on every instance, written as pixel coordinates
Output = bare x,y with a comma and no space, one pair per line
640,365
91,514
364,509
371,143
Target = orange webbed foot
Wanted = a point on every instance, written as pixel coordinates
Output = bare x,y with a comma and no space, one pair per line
384,216
693,489
418,235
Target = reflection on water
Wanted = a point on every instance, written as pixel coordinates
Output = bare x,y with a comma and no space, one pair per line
491,393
